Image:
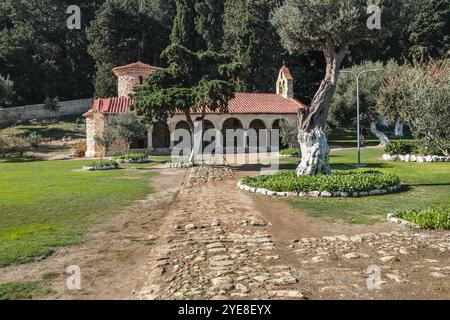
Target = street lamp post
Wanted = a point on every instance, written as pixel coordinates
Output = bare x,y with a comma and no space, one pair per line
358,116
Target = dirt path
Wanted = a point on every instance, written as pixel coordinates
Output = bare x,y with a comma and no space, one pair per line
219,242
209,240
111,259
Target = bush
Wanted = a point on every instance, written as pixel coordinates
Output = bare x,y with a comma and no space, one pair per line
292,152
338,181
132,157
430,218
401,147
98,164
15,145
410,147
79,149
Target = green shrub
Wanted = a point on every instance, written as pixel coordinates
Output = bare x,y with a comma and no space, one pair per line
132,157
401,147
104,163
338,181
430,218
291,152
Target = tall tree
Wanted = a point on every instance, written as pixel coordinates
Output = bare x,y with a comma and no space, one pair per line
208,22
40,54
330,27
184,32
249,36
192,83
122,32
6,91
429,32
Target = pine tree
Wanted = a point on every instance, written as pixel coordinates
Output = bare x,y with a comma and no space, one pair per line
184,32
208,22
120,34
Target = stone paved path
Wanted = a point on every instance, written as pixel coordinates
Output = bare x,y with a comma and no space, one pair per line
214,244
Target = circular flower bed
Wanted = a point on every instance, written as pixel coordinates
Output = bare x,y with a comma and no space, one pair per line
414,158
132,158
337,184
105,165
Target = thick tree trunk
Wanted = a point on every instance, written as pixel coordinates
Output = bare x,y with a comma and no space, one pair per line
312,120
399,125
315,153
384,140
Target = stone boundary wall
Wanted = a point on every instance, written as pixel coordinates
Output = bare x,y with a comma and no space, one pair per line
10,116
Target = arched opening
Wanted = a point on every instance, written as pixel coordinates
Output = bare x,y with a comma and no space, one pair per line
277,126
182,125
257,125
231,124
161,136
207,125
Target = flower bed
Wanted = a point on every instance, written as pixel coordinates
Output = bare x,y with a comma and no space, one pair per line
338,184
132,158
290,153
105,165
414,158
430,218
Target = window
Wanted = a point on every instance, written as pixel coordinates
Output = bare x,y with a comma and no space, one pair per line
141,79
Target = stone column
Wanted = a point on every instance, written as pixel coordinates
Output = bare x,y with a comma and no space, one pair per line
150,139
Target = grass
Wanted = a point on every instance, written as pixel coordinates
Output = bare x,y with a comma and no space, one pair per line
18,290
54,130
425,185
48,204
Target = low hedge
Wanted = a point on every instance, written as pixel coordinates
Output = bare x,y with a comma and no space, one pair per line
132,157
292,152
403,147
338,181
99,165
430,218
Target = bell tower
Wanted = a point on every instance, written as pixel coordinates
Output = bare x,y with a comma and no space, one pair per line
285,83
131,76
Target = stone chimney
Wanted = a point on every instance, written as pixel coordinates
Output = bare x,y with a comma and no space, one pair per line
285,83
130,76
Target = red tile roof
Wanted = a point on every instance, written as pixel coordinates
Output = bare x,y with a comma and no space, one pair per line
287,73
137,67
243,103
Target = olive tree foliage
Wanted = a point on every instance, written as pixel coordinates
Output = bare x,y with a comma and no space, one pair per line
106,139
128,126
420,94
343,105
330,27
288,135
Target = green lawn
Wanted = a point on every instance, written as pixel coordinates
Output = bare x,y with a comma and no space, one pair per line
425,184
47,204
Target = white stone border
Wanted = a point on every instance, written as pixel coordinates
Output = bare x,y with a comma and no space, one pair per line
414,158
317,194
179,165
100,168
392,218
142,160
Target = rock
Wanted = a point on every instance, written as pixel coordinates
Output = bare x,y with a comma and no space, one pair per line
190,226
284,281
240,287
351,255
261,278
314,194
221,281
257,222
326,194
387,259
437,275
292,294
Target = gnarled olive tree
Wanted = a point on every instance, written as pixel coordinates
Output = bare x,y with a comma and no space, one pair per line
332,27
